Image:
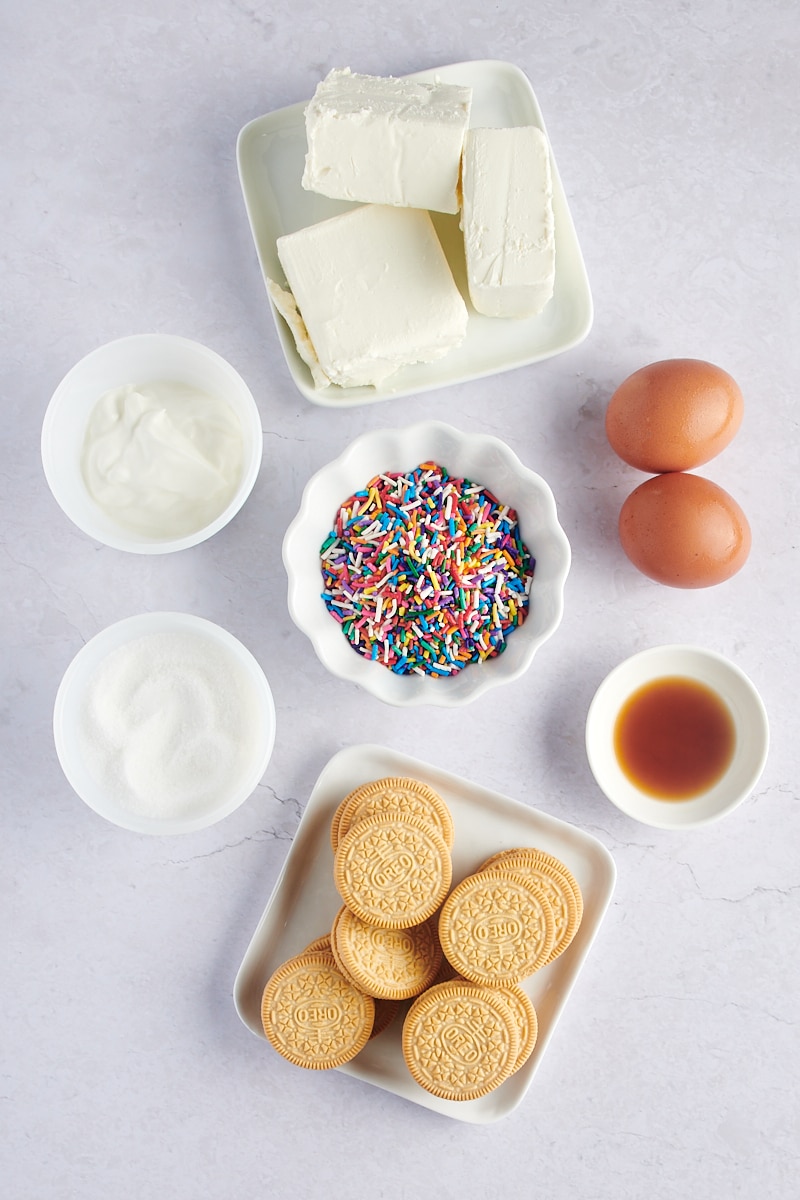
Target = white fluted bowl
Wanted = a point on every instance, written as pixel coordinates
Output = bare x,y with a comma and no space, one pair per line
486,461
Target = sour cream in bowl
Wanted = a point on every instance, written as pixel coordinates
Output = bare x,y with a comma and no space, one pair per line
151,443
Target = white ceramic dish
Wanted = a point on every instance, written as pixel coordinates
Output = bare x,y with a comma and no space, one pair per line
271,153
746,708
139,359
486,461
68,704
304,902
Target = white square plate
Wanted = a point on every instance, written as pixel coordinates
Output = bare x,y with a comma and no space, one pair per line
305,901
271,154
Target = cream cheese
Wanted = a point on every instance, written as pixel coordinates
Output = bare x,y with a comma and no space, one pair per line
162,459
285,303
374,292
507,220
386,141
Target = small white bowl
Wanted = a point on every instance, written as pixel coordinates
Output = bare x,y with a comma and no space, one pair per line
484,460
746,708
139,359
69,706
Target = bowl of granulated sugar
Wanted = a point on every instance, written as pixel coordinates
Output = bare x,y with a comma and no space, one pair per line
164,723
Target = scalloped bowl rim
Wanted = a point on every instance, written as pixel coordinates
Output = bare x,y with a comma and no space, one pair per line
482,457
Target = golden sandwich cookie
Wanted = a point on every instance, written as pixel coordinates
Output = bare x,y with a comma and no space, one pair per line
312,1015
335,819
405,797
393,964
556,880
385,1010
496,927
521,1005
391,872
320,943
460,1041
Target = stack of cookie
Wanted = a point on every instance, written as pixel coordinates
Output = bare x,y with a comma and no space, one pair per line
391,840
470,1025
464,1037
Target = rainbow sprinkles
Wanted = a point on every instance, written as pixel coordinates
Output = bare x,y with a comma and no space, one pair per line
426,572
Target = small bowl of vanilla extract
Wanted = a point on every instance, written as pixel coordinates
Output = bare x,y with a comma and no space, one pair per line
677,736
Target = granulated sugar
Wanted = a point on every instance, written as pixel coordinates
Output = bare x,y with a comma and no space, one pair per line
170,724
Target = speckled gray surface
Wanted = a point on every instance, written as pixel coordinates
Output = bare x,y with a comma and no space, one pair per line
126,1070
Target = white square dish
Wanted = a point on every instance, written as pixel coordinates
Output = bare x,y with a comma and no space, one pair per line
304,902
271,155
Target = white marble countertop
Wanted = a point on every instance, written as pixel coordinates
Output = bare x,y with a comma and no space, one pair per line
126,1071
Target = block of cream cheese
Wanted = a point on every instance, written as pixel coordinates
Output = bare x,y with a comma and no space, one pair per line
374,292
507,220
386,141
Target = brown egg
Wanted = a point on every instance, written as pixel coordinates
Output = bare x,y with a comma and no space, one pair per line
684,530
674,415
